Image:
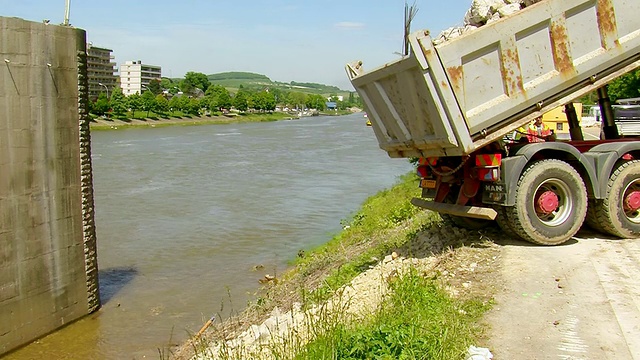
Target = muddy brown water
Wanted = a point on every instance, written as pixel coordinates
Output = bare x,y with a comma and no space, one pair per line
185,215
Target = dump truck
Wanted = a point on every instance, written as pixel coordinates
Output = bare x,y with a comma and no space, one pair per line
452,105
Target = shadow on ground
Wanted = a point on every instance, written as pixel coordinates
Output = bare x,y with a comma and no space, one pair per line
439,238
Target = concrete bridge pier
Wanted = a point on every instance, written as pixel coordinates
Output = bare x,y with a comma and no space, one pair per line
48,259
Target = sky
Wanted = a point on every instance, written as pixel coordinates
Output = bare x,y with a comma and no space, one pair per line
286,40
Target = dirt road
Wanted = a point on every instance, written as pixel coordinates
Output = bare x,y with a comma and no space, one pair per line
580,300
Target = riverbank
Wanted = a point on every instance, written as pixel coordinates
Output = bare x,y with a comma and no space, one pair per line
114,124
376,274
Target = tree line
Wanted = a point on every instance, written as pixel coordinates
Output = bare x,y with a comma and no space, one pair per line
195,95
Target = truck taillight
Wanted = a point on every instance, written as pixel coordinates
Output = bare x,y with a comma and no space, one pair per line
488,166
488,160
489,174
423,171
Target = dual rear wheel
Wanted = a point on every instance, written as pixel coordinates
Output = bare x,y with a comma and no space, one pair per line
551,203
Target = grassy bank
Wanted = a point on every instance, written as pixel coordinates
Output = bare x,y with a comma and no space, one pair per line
187,120
424,313
190,120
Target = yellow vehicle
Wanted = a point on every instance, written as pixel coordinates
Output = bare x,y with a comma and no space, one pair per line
557,120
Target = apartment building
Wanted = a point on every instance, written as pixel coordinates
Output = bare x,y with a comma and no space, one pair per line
135,76
100,71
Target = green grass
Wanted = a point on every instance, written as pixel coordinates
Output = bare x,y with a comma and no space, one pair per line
385,221
418,321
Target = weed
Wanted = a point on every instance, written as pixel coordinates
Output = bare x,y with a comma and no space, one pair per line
418,321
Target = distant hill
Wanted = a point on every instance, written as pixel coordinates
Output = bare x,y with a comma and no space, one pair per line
233,80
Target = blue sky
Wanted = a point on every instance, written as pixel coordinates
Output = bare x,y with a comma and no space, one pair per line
286,40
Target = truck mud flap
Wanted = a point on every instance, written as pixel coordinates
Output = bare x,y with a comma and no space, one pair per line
475,212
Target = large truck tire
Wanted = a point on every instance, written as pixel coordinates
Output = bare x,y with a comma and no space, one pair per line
503,221
551,203
619,213
592,216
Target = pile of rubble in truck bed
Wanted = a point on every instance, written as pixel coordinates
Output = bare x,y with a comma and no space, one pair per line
483,12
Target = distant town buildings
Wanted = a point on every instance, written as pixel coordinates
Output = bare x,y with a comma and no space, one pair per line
102,78
135,76
100,71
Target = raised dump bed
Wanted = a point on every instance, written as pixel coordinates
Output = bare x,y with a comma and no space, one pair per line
453,98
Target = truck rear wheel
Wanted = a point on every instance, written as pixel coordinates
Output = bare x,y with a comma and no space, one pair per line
551,203
592,216
503,221
619,213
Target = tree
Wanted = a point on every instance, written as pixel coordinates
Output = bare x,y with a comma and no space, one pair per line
186,87
167,83
155,87
101,105
162,104
119,103
194,80
297,99
224,100
176,104
192,106
264,101
626,86
278,95
135,103
219,97
183,102
315,101
148,102
241,101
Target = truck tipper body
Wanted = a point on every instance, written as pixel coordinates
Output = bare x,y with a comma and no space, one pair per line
452,105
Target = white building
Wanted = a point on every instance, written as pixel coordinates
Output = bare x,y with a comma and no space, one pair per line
134,76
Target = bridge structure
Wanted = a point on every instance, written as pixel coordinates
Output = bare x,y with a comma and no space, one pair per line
48,259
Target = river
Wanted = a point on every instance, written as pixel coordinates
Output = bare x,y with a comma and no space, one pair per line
184,216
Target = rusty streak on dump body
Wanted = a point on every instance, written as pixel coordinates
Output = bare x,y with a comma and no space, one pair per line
606,22
455,76
512,80
560,47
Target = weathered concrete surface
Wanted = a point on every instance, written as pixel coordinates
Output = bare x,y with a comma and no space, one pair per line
47,238
580,300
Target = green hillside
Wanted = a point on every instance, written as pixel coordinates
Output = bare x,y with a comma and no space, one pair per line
233,80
